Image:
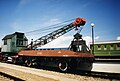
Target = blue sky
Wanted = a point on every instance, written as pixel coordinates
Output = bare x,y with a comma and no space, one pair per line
28,15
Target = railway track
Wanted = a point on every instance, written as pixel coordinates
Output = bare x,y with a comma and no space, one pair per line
74,75
104,75
111,75
9,77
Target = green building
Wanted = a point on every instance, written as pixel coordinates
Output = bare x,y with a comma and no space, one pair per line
13,43
106,48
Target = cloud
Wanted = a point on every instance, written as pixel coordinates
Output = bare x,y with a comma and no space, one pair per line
52,22
24,2
89,39
1,37
85,5
61,42
16,26
97,37
118,38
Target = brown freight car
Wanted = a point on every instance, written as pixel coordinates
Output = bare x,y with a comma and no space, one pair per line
63,59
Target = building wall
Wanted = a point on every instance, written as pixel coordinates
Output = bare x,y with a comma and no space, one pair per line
6,48
13,44
16,46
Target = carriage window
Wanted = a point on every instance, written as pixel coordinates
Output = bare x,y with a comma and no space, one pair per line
99,47
105,47
19,42
111,47
5,42
118,45
20,35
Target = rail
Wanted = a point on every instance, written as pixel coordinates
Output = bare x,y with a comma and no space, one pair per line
104,75
11,77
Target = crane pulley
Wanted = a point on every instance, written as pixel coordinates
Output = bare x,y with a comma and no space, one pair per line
57,33
79,22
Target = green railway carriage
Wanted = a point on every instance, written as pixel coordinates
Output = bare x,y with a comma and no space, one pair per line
106,48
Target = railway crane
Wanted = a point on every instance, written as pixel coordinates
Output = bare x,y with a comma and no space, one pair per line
57,33
77,56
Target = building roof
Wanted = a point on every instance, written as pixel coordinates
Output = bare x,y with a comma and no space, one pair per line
8,36
12,35
107,42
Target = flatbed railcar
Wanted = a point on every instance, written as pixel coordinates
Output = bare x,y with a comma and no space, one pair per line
64,59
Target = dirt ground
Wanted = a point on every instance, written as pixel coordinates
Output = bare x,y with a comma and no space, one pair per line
23,75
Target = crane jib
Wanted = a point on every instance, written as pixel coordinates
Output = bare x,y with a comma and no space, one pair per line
57,33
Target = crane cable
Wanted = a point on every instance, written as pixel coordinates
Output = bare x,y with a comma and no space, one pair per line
48,27
44,30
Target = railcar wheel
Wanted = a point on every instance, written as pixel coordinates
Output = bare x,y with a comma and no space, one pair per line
14,61
28,63
63,66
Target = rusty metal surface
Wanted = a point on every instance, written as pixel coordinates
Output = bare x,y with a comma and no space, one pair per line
53,53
